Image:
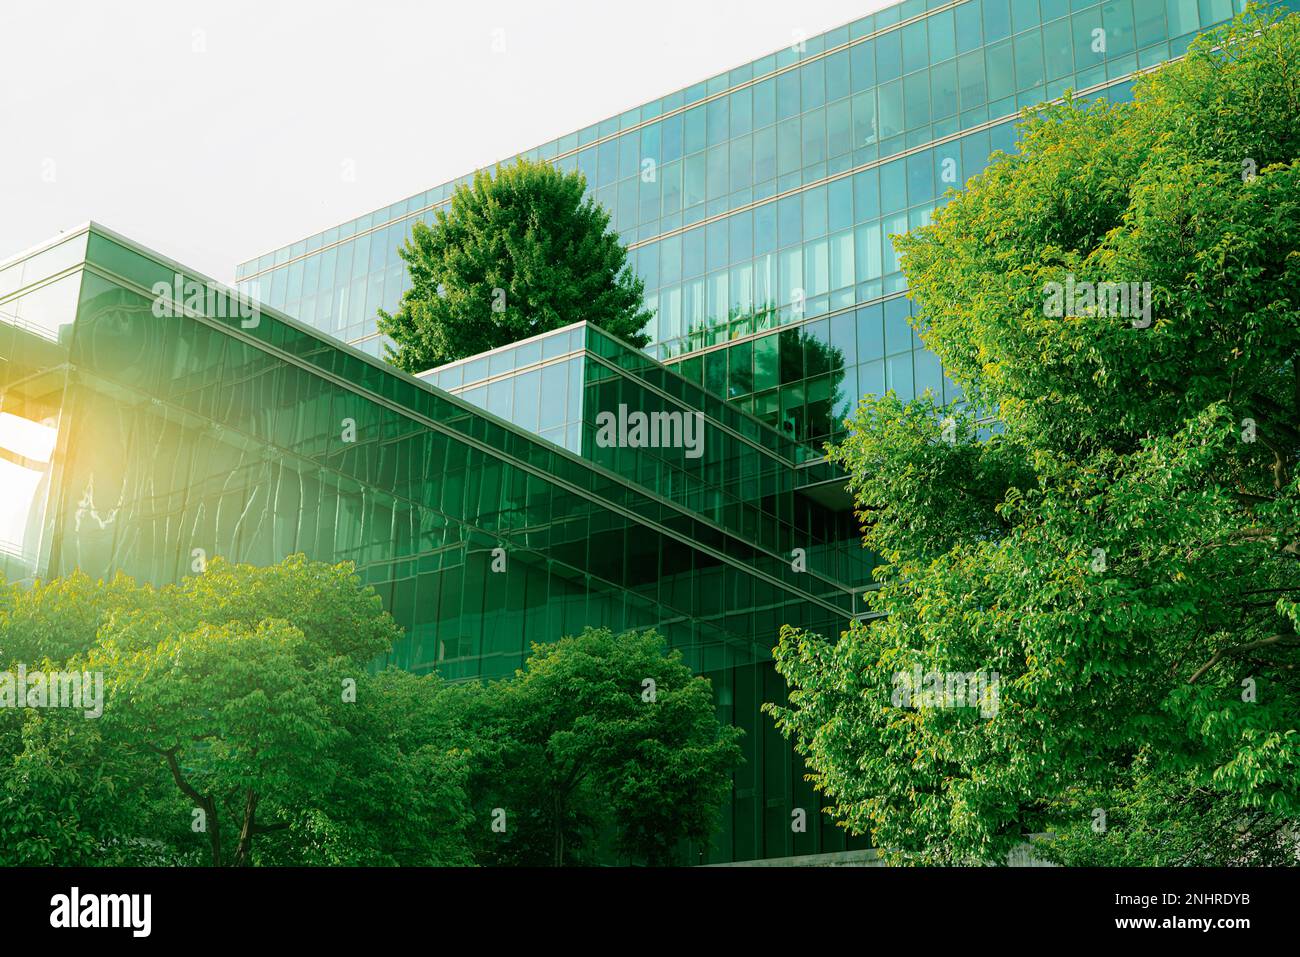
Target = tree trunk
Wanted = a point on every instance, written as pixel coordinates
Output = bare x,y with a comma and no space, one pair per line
208,805
245,846
557,823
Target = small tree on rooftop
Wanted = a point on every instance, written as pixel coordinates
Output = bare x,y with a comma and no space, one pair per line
520,252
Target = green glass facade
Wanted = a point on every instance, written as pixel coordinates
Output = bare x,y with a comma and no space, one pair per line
146,443
764,198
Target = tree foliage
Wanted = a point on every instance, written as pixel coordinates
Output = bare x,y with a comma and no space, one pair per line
230,734
602,737
1123,549
243,724
519,253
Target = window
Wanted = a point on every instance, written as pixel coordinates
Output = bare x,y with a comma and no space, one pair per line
943,90
718,121
1059,49
920,178
998,62
671,139
842,273
718,172
814,212
1082,26
1024,15
839,128
787,95
862,66
890,122
889,57
670,176
790,274
816,268
997,20
742,153
606,163
916,100
790,219
742,292
893,186
717,244
864,119
765,155
1117,17
839,202
693,252
915,47
837,76
741,110
670,260
694,179
898,375
942,44
789,156
812,82
629,155
1183,17
929,374
814,138
871,333
1029,60
866,241
764,103
969,33
765,229
866,195
898,334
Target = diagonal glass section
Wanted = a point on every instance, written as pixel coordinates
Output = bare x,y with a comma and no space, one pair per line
169,421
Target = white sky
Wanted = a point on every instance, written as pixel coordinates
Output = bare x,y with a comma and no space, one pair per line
109,113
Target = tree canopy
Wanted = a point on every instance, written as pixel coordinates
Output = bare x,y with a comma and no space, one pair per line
242,723
602,737
1107,530
519,253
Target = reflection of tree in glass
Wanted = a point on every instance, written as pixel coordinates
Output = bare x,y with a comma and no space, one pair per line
808,375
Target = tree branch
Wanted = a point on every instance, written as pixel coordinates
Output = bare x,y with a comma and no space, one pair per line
212,821
1241,650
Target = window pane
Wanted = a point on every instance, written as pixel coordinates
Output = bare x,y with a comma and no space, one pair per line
839,128
942,45
814,138
837,76
997,20
970,75
943,90
1029,60
814,213
916,100
864,119
890,122
999,70
812,79
915,51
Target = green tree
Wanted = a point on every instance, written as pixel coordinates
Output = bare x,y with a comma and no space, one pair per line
400,796
240,726
66,796
600,736
1121,549
520,252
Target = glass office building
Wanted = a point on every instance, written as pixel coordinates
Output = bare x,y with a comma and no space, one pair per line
762,200
758,206
139,439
